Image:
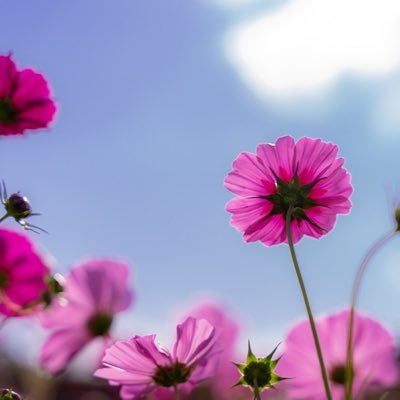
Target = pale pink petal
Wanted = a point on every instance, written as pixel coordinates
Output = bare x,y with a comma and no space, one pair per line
60,347
133,392
195,339
99,284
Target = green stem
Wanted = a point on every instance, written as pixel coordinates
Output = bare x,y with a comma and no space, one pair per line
387,393
356,288
256,391
6,215
176,391
307,304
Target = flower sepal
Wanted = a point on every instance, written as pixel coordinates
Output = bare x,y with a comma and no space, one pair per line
259,374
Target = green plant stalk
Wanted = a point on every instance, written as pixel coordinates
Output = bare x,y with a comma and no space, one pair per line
256,391
6,215
307,304
176,391
354,295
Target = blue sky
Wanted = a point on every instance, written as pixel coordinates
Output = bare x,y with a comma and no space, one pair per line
153,110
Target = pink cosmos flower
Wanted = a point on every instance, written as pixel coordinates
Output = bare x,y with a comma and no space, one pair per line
306,175
94,292
140,366
226,335
22,273
25,101
374,357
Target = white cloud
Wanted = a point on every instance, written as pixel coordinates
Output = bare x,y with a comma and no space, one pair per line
306,45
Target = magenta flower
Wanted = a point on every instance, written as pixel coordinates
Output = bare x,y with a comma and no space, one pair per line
22,274
93,293
25,101
374,357
306,176
139,366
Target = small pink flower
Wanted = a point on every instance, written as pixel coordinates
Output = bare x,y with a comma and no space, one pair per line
227,333
139,366
94,292
374,357
22,273
306,175
25,101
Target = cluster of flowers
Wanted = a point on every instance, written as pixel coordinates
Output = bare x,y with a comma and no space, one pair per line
285,190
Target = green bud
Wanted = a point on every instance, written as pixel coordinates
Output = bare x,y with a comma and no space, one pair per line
55,286
396,214
8,394
258,373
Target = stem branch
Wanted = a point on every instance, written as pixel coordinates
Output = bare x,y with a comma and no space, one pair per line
6,215
354,295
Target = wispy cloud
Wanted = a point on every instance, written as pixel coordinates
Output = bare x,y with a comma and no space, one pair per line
306,45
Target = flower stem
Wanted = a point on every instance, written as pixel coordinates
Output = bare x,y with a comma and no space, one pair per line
307,304
6,215
256,390
176,391
354,295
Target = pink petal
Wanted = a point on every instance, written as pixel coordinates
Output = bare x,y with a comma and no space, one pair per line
7,75
249,177
194,342
138,356
30,86
133,392
279,157
61,347
313,156
100,285
247,210
37,115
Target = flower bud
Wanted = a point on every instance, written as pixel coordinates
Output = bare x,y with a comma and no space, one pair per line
258,373
55,286
18,206
396,214
8,394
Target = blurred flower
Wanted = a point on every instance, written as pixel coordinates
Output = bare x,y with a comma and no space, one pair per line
305,175
25,101
8,394
22,274
17,207
374,357
258,374
140,366
227,332
94,292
